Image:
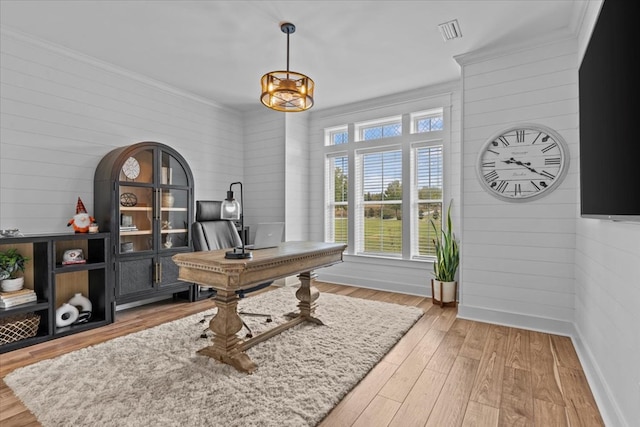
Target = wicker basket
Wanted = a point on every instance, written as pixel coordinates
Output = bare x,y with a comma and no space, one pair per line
18,327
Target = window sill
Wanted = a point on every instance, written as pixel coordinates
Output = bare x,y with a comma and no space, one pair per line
391,262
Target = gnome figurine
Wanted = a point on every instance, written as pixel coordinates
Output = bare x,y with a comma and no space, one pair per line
81,220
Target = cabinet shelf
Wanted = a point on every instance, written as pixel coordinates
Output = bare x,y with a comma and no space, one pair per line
136,208
136,233
173,209
25,308
174,230
61,268
73,329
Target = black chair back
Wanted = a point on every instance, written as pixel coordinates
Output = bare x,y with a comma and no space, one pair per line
209,231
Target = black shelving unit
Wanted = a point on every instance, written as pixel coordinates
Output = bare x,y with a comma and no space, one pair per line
55,283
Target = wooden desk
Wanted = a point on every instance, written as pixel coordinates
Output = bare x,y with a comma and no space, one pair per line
226,276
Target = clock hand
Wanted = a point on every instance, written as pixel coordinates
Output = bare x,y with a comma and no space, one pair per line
526,165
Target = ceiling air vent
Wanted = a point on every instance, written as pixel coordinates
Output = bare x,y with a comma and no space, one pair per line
450,30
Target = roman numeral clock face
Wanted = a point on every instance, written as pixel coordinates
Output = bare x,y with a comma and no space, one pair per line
523,163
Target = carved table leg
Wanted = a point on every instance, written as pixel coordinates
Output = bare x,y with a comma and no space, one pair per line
307,295
226,346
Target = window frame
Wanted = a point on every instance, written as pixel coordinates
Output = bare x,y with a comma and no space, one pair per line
415,200
331,204
355,122
361,127
361,204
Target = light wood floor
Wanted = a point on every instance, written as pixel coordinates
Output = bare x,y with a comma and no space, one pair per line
444,372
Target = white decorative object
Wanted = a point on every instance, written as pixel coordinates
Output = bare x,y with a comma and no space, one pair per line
79,300
66,314
73,256
167,199
9,285
448,293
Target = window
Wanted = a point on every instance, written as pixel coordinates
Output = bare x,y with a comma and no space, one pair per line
426,121
396,185
428,188
379,129
337,209
337,136
380,215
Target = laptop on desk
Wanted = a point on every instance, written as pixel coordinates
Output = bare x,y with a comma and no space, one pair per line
268,235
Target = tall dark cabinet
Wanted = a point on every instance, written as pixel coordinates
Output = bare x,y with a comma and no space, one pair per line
143,195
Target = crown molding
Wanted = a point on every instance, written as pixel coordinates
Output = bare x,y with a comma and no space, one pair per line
106,66
413,95
505,50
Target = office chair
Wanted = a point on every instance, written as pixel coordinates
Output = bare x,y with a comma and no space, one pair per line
210,232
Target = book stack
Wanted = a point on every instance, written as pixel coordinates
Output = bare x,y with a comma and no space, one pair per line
128,228
74,261
13,298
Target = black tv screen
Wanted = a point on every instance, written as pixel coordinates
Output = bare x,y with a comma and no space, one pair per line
609,122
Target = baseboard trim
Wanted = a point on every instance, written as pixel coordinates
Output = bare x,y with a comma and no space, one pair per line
609,410
541,324
378,285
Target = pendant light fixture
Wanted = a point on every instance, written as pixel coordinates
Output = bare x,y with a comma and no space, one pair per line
287,91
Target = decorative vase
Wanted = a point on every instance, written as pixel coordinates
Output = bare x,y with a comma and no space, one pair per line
66,314
10,285
444,292
167,199
81,302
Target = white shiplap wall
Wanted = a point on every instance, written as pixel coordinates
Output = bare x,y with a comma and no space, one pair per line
276,170
297,176
61,112
607,319
264,172
411,277
517,258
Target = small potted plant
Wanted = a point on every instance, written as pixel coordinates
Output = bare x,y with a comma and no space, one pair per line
11,264
444,286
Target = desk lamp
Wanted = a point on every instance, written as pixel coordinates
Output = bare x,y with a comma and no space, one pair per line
232,210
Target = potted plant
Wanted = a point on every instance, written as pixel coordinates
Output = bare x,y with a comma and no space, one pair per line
12,263
444,286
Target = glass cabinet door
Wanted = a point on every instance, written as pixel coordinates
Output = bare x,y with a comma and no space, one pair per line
136,219
154,204
174,220
172,172
138,168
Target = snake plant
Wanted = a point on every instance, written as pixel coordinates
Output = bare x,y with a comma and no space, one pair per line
447,251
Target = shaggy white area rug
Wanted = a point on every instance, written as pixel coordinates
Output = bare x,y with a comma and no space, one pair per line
155,378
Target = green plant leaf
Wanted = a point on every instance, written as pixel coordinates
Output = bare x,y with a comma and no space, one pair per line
447,251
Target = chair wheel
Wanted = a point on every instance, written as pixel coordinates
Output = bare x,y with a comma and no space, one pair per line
203,335
269,320
249,336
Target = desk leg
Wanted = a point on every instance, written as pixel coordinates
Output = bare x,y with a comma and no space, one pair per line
226,346
307,295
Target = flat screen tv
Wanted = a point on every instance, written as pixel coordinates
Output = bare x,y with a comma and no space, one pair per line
609,118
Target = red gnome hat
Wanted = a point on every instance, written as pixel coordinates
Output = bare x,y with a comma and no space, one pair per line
80,207
81,223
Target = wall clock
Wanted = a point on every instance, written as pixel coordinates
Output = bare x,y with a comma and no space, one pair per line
131,168
523,162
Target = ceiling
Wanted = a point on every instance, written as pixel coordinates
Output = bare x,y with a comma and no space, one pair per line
354,50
